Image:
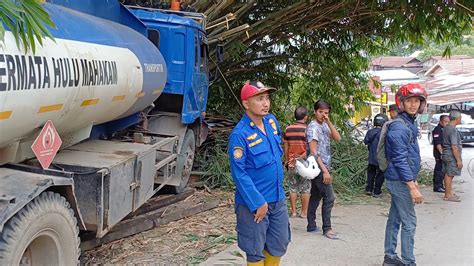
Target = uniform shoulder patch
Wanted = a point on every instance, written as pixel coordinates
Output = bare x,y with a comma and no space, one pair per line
272,123
238,152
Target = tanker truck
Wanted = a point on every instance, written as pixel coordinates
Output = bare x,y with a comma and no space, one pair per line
95,122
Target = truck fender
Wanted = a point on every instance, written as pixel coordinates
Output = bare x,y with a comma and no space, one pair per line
18,188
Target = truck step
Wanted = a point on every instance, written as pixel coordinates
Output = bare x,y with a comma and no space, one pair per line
161,201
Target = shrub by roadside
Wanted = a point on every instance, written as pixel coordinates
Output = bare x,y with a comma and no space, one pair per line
349,164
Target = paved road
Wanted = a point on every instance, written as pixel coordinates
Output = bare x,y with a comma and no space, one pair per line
444,234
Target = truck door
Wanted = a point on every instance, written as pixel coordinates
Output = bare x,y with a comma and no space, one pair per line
203,73
176,59
196,97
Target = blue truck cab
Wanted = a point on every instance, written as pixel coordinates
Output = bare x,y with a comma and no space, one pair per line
183,43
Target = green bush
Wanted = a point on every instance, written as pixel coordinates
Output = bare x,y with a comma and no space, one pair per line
425,177
349,165
212,159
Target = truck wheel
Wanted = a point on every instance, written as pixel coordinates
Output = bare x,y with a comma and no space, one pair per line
44,232
189,146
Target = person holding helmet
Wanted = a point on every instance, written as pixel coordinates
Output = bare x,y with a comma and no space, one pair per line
319,134
403,156
255,152
374,174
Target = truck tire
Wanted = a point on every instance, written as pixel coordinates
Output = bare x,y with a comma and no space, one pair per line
188,149
44,232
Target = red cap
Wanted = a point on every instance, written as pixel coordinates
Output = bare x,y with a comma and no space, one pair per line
252,88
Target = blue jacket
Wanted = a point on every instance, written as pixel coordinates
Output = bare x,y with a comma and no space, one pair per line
255,162
372,141
402,150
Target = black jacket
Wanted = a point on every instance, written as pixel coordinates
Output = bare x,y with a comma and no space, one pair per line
437,139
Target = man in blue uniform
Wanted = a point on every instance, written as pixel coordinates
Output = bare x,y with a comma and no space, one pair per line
438,174
255,151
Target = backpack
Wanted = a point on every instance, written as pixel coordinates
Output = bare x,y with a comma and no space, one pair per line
381,156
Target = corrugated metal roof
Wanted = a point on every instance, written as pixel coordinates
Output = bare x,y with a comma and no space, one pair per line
447,89
458,66
393,75
453,84
451,98
443,90
393,61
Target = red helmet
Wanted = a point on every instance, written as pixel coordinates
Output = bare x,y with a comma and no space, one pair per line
411,90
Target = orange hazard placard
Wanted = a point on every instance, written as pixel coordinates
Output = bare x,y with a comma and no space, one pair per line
47,144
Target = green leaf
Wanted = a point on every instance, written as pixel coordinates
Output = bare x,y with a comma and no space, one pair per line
27,20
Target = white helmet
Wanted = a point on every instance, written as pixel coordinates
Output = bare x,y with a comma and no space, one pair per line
308,168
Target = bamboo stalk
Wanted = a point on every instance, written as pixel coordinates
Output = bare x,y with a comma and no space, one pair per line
219,21
228,33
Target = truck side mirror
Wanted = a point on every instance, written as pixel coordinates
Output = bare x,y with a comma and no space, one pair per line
220,53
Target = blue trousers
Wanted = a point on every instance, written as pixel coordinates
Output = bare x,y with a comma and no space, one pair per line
402,214
272,233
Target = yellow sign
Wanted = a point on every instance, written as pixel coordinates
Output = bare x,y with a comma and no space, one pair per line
384,97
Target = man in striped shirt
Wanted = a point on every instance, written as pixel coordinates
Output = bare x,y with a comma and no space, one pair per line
294,143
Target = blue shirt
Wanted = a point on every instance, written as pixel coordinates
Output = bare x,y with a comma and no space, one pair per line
255,162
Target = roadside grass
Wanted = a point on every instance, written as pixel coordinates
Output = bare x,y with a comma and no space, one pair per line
211,243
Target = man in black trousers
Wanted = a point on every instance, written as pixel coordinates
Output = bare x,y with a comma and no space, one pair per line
437,134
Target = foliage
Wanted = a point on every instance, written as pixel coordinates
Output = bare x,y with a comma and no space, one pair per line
349,168
319,49
465,47
27,21
314,49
